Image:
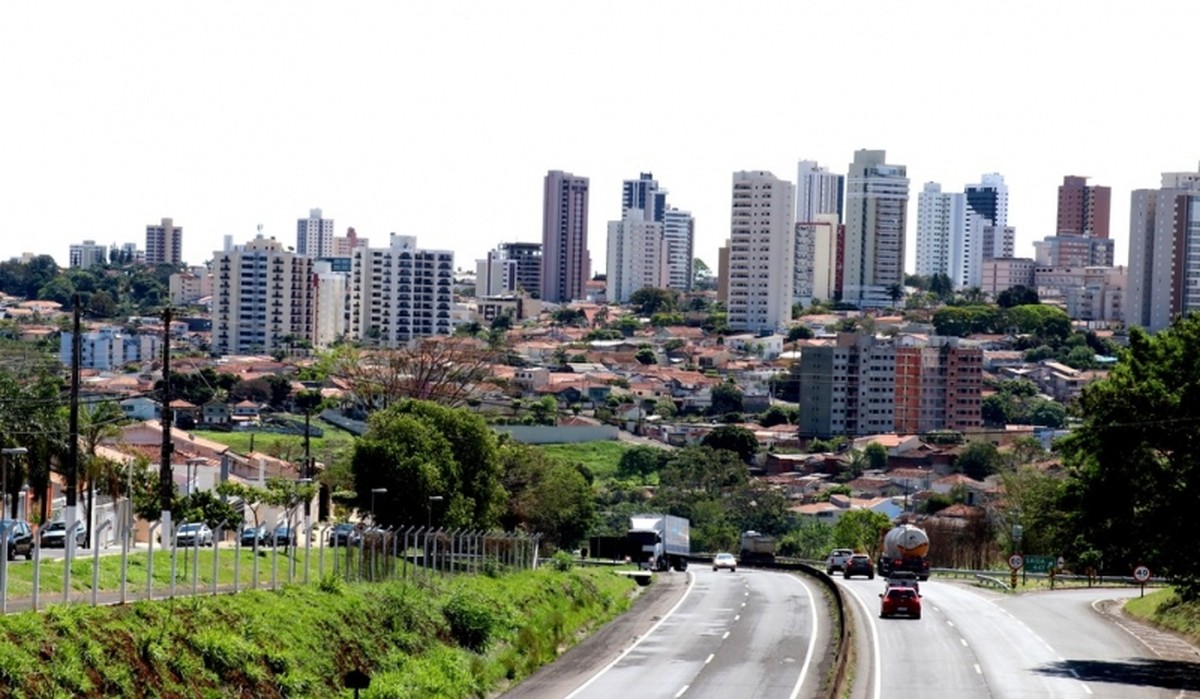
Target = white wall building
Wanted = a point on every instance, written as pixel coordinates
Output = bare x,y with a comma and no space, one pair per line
400,293
823,234
762,249
876,211
108,348
262,294
818,191
1164,251
679,235
636,255
314,235
329,302
87,254
189,287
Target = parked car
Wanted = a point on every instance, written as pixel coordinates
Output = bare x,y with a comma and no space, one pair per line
284,536
837,560
193,534
54,535
859,564
900,601
20,538
344,534
252,535
725,560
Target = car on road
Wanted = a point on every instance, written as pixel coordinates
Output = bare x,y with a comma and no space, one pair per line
899,601
725,560
252,535
54,536
193,534
344,534
837,560
859,564
20,538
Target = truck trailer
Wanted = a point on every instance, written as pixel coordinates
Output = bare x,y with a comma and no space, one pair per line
905,547
660,541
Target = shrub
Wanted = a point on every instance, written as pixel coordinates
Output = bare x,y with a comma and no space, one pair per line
562,561
471,620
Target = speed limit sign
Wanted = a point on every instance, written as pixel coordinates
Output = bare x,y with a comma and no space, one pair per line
1141,574
1015,561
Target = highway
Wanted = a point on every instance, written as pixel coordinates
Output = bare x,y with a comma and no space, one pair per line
979,643
749,633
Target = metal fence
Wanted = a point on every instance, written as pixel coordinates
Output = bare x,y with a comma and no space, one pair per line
122,574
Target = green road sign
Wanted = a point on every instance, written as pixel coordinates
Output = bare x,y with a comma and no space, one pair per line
1040,564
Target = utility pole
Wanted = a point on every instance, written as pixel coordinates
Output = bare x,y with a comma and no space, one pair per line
166,478
73,427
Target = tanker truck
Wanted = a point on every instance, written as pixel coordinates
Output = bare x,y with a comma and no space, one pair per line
660,542
905,547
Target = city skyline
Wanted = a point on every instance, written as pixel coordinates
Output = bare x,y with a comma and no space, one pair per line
243,123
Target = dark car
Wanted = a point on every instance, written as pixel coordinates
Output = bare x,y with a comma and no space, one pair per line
252,535
903,578
20,538
54,535
900,601
859,564
284,536
344,534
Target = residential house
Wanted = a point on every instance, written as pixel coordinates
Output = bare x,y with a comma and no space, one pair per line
141,408
214,412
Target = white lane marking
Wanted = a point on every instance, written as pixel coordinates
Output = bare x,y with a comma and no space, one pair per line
978,670
877,671
737,616
743,604
710,657
627,651
724,635
949,623
936,609
1085,688
680,692
812,641
963,641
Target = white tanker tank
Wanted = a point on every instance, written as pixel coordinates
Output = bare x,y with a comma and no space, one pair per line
905,547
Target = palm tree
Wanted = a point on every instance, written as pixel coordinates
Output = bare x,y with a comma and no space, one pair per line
98,422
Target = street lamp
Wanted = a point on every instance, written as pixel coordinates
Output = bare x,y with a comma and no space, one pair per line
381,491
10,452
193,467
432,499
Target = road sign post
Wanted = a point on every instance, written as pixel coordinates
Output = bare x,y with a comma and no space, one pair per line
1142,575
1015,563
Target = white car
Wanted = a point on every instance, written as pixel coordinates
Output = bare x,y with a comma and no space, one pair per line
724,560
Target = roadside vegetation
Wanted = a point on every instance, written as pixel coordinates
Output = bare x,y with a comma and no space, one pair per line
1165,609
463,636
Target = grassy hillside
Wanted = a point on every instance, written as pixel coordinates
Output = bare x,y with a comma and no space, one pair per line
466,636
1164,608
601,458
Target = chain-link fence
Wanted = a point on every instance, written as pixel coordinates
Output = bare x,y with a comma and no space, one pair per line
207,564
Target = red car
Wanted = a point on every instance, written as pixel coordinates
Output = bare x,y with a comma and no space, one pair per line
900,601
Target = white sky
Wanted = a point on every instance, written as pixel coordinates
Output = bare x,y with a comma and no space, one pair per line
440,119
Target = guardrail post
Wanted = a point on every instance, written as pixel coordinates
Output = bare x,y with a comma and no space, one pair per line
4,567
96,558
68,549
150,561
125,562
174,556
37,570
274,561
321,552
237,558
215,545
308,549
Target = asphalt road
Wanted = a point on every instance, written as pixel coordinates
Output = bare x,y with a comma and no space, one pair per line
979,643
749,633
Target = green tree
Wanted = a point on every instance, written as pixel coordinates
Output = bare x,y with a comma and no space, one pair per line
979,460
738,440
646,356
877,456
641,463
545,495
811,540
861,530
726,398
778,415
648,300
799,332
1017,296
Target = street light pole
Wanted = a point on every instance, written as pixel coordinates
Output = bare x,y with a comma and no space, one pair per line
373,492
10,452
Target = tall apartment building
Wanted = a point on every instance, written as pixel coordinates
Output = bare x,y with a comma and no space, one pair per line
847,388
190,286
938,387
329,304
1164,254
636,255
343,246
947,232
644,195
1073,251
1004,273
109,348
819,251
818,201
566,262
1086,293
87,254
164,243
761,256
262,294
1083,210
864,385
400,293
314,235
818,191
679,234
876,219
512,268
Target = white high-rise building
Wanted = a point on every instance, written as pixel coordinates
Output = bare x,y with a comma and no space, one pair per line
493,275
262,294
636,255
329,290
400,293
86,254
823,233
1164,252
679,231
644,194
949,236
314,235
818,191
876,218
762,248
164,243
